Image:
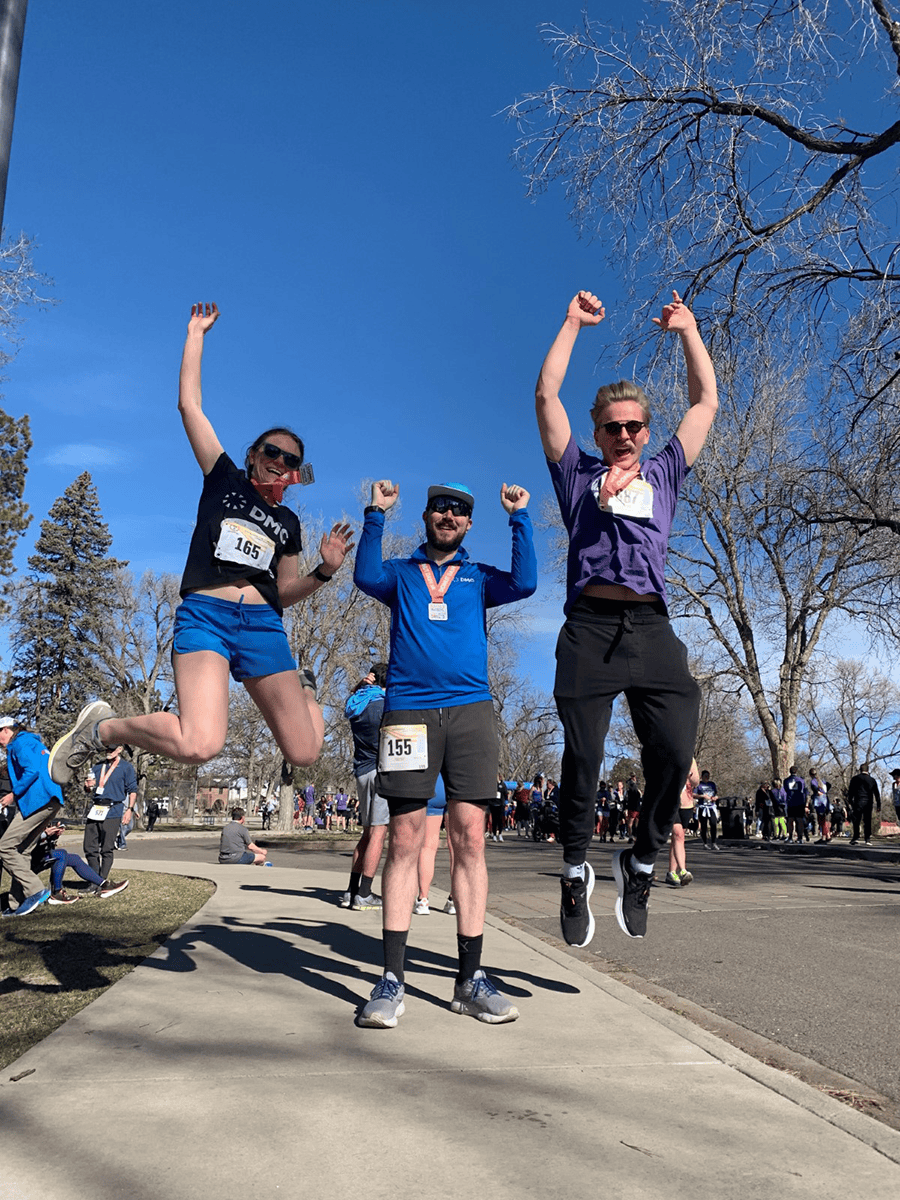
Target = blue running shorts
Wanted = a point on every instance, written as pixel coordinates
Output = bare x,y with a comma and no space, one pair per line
250,636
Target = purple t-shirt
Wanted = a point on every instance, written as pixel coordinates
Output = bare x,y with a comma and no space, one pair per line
605,547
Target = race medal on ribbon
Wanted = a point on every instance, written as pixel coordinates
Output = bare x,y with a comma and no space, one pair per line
244,543
636,500
403,748
437,609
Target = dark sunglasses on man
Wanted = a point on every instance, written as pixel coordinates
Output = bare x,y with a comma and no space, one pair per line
442,504
614,428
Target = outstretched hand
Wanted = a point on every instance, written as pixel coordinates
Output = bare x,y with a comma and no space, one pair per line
513,497
202,321
335,546
385,494
676,317
586,309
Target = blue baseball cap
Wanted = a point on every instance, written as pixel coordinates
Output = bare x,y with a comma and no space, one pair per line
457,491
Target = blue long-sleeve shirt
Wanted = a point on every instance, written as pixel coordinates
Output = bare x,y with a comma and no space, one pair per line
26,761
441,664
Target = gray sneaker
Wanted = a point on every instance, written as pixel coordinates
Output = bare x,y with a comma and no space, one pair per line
385,1004
371,901
477,997
345,900
80,744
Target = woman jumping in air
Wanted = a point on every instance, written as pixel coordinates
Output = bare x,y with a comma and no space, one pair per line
241,572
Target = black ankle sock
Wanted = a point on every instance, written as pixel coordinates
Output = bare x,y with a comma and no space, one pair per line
469,955
354,884
394,943
364,887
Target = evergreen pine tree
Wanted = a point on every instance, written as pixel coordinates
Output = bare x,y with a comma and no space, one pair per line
66,606
15,442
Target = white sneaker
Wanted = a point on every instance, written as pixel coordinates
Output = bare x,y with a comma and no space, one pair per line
421,908
449,907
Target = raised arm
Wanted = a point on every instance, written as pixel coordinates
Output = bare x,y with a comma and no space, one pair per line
204,443
333,548
553,423
505,587
371,574
701,377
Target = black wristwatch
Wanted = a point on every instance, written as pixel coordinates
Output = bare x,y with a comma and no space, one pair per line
372,508
318,573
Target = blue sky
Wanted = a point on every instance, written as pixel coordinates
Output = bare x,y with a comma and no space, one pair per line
338,179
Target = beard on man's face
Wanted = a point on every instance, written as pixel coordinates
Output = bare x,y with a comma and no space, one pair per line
444,533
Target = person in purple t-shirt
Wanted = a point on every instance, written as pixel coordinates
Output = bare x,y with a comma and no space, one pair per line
617,637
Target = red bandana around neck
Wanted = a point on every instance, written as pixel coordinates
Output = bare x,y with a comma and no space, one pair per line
616,480
273,492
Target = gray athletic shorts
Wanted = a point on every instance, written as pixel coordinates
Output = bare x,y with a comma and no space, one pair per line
373,809
463,747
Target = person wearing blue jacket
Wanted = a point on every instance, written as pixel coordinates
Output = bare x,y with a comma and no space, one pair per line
38,800
439,719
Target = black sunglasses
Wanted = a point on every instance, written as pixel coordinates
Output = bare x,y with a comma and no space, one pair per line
442,504
614,428
291,461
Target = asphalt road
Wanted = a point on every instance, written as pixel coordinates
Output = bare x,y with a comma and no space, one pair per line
798,948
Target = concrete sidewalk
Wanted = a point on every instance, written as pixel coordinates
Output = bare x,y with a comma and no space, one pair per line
228,1065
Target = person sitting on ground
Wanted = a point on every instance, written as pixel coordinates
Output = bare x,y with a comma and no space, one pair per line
46,854
235,846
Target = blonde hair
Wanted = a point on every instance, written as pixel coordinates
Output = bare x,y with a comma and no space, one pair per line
612,393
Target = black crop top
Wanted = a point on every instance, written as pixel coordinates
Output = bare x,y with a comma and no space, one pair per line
238,535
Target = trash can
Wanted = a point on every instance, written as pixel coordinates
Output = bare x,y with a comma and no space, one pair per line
733,824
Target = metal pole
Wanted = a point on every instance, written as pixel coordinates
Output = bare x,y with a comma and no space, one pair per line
12,33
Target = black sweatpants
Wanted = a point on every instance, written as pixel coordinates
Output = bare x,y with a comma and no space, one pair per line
605,648
100,839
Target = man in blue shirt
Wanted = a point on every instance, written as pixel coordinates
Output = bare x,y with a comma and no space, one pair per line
115,792
439,719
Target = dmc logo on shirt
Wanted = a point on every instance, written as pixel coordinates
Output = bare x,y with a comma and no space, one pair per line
269,522
464,579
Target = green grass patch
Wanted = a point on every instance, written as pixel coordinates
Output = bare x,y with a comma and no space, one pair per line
58,959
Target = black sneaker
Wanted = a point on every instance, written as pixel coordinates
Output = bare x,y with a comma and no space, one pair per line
575,917
634,895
